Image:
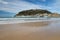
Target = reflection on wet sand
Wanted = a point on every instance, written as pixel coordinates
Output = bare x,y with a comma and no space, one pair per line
30,31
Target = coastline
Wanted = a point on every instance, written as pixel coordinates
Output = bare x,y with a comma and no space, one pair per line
21,20
30,31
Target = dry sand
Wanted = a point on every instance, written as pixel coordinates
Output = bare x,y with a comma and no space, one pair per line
30,31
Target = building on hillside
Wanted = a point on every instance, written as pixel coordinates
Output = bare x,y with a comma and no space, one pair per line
55,15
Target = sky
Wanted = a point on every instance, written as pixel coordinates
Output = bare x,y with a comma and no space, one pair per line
14,6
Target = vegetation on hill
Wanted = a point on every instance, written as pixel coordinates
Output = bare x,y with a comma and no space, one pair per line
36,13
33,12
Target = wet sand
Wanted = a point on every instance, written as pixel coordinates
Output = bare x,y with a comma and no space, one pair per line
47,30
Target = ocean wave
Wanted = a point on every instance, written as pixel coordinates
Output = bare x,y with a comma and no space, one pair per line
24,20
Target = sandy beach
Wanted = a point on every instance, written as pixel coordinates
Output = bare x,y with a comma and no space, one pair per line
47,30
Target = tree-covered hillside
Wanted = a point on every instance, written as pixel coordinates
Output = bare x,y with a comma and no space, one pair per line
33,12
36,13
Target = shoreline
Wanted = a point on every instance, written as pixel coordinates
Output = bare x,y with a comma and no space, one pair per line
22,21
34,23
30,31
15,21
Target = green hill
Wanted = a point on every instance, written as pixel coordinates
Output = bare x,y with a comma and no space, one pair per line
36,13
33,12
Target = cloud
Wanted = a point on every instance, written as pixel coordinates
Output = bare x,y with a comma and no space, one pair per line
3,2
18,5
55,7
57,4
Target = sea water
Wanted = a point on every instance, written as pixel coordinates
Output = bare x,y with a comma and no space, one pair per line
23,20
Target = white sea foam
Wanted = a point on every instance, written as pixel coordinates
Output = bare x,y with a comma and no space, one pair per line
24,20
